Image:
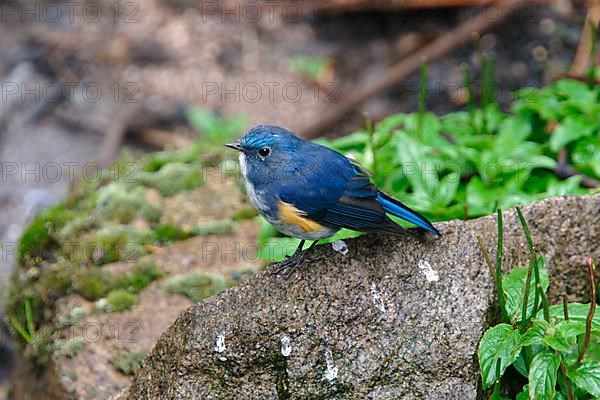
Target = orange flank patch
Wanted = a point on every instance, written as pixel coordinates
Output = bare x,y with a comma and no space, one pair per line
291,215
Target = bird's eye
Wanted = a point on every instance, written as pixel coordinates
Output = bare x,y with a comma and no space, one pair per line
265,151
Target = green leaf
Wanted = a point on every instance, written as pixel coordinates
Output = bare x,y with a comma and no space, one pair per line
541,161
571,328
558,396
458,125
276,249
514,129
341,235
524,395
563,336
577,312
570,129
482,199
499,342
446,189
587,377
543,375
593,349
354,141
388,124
514,288
568,186
573,89
496,395
535,334
520,365
212,127
586,155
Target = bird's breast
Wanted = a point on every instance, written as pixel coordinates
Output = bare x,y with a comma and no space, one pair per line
256,197
293,222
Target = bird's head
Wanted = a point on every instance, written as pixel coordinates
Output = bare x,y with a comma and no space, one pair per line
265,147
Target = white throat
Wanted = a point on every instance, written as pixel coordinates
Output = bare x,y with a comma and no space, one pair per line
256,197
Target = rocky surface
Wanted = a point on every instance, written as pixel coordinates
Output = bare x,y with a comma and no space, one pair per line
394,318
90,351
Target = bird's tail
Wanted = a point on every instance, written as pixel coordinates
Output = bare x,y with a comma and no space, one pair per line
394,207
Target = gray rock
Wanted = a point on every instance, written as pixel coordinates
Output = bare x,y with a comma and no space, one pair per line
396,318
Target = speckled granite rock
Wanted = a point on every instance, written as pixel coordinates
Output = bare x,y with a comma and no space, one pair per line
393,319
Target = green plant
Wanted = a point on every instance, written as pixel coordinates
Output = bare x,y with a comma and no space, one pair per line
142,274
118,242
466,164
40,236
36,341
64,248
26,332
128,361
556,348
216,227
166,233
173,178
315,68
119,300
118,201
92,283
69,347
213,129
196,285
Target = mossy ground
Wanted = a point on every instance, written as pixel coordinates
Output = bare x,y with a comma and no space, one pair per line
117,219
127,362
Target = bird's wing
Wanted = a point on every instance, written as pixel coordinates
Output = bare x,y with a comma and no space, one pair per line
358,208
332,191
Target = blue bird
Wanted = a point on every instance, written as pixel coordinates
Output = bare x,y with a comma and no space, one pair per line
309,191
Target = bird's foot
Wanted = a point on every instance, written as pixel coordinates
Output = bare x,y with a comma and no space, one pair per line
291,263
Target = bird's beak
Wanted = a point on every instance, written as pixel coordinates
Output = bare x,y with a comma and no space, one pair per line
235,146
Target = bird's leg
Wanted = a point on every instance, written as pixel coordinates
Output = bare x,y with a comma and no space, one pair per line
299,248
290,264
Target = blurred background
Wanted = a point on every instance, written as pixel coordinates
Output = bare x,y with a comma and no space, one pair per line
82,80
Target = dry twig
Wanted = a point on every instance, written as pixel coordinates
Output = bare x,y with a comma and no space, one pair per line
584,50
436,49
590,317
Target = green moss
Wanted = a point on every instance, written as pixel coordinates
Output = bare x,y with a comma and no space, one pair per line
120,202
155,161
120,300
173,178
150,213
218,227
75,227
34,240
37,239
196,285
127,362
69,347
166,233
246,213
142,274
92,283
59,253
118,243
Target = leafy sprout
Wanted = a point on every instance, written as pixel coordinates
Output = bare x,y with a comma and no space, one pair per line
556,348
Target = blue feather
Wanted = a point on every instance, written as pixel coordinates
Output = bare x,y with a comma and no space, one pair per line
324,185
398,209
